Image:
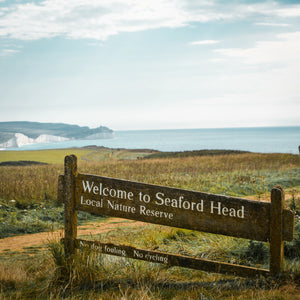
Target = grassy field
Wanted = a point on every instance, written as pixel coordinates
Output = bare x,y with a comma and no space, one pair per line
28,204
56,156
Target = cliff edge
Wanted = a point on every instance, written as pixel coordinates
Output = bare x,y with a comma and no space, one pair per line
17,134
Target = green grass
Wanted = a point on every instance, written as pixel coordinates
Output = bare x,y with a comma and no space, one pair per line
193,153
47,156
56,156
35,218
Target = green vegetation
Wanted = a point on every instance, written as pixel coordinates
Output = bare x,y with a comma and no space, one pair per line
30,220
21,163
19,218
56,156
33,190
194,153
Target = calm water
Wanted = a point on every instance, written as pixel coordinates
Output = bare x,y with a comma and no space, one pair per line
265,139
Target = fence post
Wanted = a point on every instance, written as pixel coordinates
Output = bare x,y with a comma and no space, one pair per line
70,205
276,225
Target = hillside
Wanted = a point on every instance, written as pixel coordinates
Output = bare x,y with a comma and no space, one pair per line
16,134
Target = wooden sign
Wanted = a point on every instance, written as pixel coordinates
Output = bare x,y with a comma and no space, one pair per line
155,204
177,208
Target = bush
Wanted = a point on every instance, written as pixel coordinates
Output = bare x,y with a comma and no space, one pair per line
257,252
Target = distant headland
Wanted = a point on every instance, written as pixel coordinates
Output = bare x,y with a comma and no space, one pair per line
17,134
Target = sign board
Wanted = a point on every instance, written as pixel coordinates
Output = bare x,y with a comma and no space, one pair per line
174,207
177,208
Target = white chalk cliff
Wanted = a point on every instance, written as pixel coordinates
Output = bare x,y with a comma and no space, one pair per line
20,133
21,139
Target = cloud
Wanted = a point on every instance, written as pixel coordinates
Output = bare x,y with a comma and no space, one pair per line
87,19
287,12
205,42
8,52
98,20
273,24
285,49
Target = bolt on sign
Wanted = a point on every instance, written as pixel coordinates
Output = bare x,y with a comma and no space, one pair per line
242,218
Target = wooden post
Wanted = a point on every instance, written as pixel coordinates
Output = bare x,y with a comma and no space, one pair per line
70,210
276,225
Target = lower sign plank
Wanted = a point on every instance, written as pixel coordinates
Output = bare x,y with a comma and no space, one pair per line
178,208
170,259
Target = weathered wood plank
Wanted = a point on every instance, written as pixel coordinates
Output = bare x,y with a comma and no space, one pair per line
171,259
288,224
178,208
70,205
276,239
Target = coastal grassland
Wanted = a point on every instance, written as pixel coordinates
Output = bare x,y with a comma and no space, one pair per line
32,190
234,174
93,276
55,156
89,153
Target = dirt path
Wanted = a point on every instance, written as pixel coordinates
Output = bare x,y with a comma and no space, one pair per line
18,243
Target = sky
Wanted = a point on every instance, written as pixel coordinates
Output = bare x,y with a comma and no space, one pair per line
155,64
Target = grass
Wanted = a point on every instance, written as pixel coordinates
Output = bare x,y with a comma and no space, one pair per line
97,276
193,153
56,156
45,156
236,175
35,218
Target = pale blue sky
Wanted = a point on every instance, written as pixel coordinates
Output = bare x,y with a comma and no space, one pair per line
150,64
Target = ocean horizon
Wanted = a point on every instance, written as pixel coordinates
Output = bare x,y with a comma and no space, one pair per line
253,139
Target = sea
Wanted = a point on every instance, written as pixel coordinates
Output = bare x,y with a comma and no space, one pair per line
258,139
